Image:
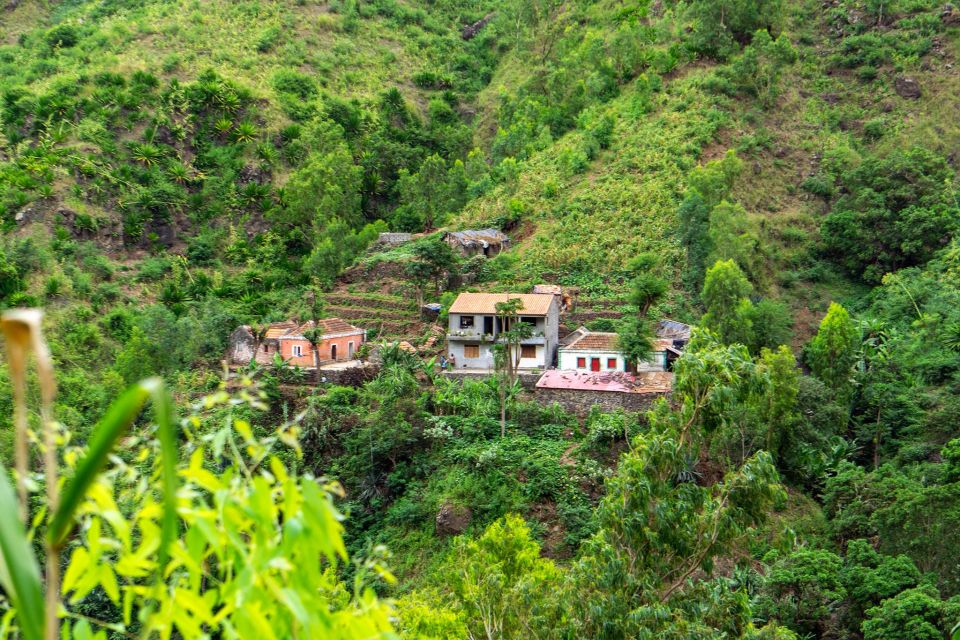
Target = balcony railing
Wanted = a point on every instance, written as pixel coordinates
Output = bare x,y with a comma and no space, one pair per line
478,336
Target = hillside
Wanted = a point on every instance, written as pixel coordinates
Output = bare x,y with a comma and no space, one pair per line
783,174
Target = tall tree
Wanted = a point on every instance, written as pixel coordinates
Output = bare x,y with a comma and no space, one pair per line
507,352
833,352
635,334
725,292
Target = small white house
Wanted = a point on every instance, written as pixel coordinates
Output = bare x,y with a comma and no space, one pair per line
587,350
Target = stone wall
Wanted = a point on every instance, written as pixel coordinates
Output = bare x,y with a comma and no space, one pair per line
346,376
527,379
580,402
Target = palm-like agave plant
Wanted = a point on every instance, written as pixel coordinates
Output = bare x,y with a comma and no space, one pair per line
246,131
951,337
178,172
146,154
223,125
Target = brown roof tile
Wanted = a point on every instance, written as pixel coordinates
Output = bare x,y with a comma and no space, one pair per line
277,329
534,304
327,326
594,341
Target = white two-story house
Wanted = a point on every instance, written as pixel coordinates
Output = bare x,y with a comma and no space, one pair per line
474,329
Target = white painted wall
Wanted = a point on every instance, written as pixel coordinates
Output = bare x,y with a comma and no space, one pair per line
568,360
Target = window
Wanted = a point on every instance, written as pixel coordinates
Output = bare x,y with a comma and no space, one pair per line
581,363
611,363
488,325
466,322
528,351
530,320
297,350
471,351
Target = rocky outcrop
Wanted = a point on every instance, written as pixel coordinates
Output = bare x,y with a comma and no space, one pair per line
907,87
472,30
452,520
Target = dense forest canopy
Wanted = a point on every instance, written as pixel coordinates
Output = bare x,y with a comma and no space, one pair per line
781,174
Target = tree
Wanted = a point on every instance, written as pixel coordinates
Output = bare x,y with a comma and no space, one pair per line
898,210
428,196
725,292
914,614
314,334
694,214
507,351
732,237
433,261
803,591
328,183
708,186
503,585
635,335
833,352
771,325
757,72
636,576
720,25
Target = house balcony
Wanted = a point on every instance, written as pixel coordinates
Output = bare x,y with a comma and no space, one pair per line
465,335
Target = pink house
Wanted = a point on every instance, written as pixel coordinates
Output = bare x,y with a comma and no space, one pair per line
336,341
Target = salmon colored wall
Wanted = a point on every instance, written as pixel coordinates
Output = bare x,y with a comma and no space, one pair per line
306,360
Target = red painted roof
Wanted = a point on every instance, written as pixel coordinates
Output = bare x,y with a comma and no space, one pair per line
616,381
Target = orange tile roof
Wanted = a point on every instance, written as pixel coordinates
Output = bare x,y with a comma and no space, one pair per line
326,326
594,341
277,329
601,341
534,304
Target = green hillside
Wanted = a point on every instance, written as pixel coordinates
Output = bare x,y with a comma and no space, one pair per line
780,173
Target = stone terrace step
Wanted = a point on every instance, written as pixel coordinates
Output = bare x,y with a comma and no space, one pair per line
355,313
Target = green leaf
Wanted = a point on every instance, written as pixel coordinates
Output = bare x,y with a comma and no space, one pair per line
19,572
167,432
106,433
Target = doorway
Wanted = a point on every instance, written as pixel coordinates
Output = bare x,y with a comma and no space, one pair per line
333,352
594,364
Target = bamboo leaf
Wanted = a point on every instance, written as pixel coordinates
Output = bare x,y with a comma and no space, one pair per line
19,572
107,432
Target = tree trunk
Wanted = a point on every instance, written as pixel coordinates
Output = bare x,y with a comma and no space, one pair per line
503,410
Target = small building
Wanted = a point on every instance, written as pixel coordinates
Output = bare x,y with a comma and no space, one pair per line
472,242
474,328
674,336
336,341
598,351
579,391
563,297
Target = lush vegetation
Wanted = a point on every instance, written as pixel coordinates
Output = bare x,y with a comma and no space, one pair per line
780,173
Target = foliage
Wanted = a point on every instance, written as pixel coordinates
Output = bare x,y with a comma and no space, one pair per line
833,352
635,335
720,26
725,297
898,210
